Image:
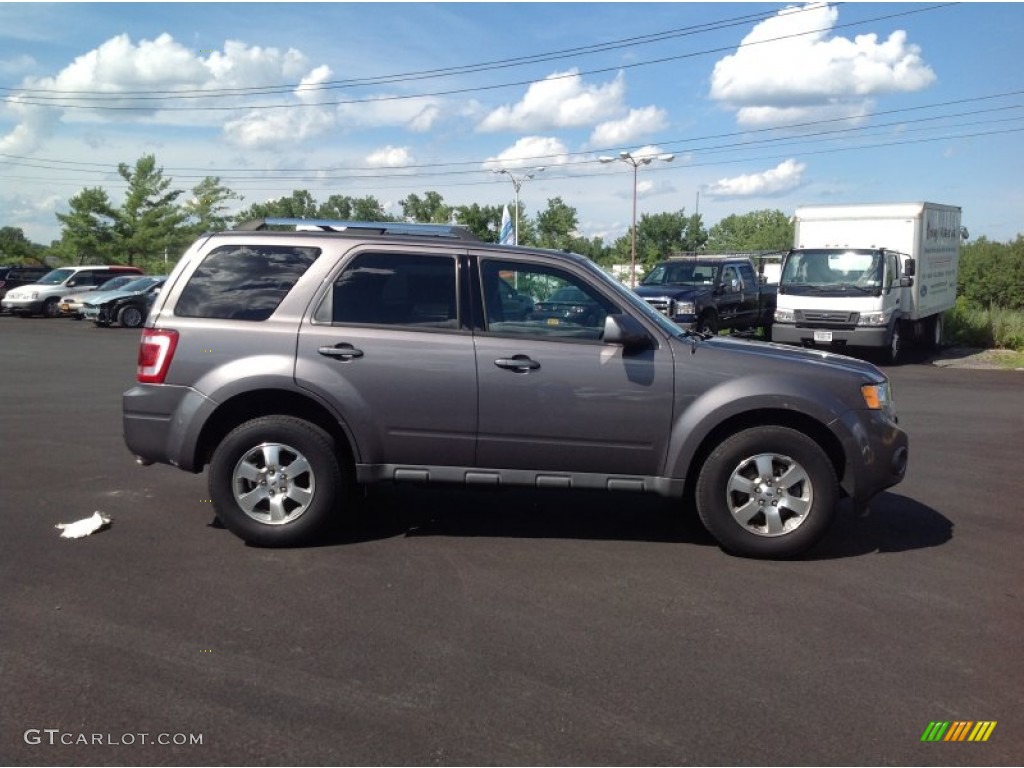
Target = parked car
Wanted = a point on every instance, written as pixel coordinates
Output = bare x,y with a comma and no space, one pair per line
710,293
12,277
298,365
568,305
71,306
127,306
43,296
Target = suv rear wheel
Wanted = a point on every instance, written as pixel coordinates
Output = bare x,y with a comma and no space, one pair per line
275,481
768,492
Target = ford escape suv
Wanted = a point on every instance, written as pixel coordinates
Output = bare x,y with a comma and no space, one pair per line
295,366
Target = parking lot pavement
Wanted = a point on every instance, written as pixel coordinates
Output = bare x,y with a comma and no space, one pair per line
461,628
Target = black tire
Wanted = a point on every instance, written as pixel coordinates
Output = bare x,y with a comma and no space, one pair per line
741,480
708,323
50,308
244,463
130,317
893,354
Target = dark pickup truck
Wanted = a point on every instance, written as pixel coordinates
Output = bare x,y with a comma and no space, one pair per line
710,293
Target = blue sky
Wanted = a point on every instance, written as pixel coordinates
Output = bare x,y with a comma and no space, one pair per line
762,105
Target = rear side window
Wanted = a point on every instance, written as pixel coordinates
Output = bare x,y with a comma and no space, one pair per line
395,289
243,282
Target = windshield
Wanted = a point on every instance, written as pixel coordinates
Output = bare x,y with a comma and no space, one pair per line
56,277
139,284
113,283
682,273
827,267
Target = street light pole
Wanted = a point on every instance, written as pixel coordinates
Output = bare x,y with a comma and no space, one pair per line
517,182
636,162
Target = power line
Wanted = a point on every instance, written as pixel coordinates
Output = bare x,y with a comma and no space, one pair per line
35,100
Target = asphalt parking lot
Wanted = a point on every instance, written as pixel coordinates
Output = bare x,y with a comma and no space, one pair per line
507,628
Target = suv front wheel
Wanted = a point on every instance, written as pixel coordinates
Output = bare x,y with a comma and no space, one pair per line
275,481
768,492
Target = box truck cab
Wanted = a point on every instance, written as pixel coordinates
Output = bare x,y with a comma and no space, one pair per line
869,276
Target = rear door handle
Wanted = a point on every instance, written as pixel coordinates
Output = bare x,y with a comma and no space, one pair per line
517,363
341,351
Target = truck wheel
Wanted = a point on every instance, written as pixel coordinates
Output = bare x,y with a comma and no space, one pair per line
894,352
936,333
275,481
767,492
708,323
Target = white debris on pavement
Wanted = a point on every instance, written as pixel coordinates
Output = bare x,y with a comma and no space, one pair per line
84,527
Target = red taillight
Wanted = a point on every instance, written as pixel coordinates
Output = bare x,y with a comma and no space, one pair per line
156,350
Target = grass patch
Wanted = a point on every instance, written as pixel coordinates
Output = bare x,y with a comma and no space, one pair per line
975,326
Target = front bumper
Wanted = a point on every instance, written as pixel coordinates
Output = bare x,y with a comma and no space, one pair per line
877,452
23,306
788,333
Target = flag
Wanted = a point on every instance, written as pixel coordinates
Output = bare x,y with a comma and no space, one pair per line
507,235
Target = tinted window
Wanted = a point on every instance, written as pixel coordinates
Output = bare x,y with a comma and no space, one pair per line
747,275
551,303
243,282
397,289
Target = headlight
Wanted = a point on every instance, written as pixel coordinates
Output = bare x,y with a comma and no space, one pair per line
785,316
683,307
878,397
873,318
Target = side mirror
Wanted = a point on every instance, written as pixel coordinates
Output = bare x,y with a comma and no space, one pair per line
625,331
910,268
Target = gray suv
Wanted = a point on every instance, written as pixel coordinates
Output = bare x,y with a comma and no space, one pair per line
299,365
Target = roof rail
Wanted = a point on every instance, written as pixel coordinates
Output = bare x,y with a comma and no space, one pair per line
378,227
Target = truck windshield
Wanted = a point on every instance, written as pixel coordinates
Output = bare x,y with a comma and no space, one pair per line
682,273
833,267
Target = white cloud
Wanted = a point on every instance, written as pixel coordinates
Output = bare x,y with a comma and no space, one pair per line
120,69
17,65
389,157
262,129
814,69
530,152
561,100
418,114
639,122
307,90
785,176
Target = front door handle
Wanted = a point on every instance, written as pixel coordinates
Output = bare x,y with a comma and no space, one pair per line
517,363
341,351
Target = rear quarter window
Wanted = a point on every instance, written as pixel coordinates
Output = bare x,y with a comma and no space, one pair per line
243,282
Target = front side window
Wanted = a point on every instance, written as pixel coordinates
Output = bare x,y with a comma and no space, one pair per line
544,302
243,282
397,289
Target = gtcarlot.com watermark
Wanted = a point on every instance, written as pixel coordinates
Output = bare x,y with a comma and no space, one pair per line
55,736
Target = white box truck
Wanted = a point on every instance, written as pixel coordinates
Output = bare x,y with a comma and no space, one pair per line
871,276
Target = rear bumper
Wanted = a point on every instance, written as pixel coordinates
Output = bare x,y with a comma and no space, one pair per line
162,424
787,333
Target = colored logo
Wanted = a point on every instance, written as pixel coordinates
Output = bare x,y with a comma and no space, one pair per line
959,730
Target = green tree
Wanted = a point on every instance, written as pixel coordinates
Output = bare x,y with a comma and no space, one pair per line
429,209
15,248
148,222
992,273
298,205
88,228
206,210
764,230
484,221
556,225
345,208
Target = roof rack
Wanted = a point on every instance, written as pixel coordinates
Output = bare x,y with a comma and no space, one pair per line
364,227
